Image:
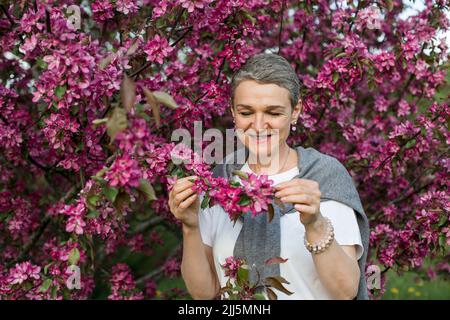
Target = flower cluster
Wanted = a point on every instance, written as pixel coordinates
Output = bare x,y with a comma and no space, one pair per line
123,286
231,266
252,195
85,159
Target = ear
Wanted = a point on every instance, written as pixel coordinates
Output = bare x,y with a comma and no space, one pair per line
297,110
232,110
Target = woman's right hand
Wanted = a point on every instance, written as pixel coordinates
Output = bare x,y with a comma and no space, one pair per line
184,202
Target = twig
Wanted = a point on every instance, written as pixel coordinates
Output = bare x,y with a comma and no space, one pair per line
48,22
7,15
356,16
160,269
38,233
281,25
148,64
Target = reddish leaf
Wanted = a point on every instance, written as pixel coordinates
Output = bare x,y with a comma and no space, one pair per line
127,93
133,47
151,100
271,212
276,283
272,295
280,204
106,61
275,260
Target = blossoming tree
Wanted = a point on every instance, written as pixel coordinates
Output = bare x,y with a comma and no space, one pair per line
90,92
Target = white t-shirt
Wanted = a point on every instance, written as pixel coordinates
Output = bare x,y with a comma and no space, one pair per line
218,232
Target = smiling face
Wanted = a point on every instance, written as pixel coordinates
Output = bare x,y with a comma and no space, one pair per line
264,114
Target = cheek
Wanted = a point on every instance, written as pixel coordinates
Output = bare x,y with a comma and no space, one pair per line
243,123
282,125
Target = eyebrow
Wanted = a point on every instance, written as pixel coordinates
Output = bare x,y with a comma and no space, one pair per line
272,107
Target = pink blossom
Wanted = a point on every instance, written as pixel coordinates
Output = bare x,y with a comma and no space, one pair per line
24,271
231,266
124,172
157,49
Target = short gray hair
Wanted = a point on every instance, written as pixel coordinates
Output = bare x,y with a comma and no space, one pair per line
267,68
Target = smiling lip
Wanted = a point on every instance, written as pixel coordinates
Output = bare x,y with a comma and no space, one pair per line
261,138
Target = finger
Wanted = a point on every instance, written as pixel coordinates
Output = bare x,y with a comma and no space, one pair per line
304,208
180,197
285,184
298,198
296,181
189,201
291,190
182,185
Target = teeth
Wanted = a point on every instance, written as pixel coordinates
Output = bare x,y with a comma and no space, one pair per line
262,136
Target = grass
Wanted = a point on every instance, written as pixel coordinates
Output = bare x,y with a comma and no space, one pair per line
410,287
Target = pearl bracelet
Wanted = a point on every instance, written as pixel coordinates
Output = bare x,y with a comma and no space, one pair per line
324,243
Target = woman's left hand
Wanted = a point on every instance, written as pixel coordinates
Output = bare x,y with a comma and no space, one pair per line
305,195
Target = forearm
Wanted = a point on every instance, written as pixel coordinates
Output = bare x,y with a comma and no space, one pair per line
200,280
338,272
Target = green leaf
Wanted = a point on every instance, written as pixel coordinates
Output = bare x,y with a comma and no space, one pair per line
45,285
240,174
205,201
146,187
60,90
74,256
244,200
235,184
442,240
110,193
165,98
99,179
93,214
101,172
46,267
410,144
423,132
93,199
259,296
389,4
116,123
98,122
442,221
335,77
242,274
54,292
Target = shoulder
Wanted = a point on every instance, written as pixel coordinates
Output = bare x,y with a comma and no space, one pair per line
321,161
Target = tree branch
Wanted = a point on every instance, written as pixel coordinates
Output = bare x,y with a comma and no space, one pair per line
160,269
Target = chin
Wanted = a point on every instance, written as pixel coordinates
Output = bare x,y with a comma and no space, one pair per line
261,151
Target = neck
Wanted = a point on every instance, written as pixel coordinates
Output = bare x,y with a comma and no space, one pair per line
274,164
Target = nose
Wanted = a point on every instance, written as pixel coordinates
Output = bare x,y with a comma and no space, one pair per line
260,123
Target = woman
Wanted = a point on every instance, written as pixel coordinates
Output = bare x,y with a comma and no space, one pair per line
324,236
